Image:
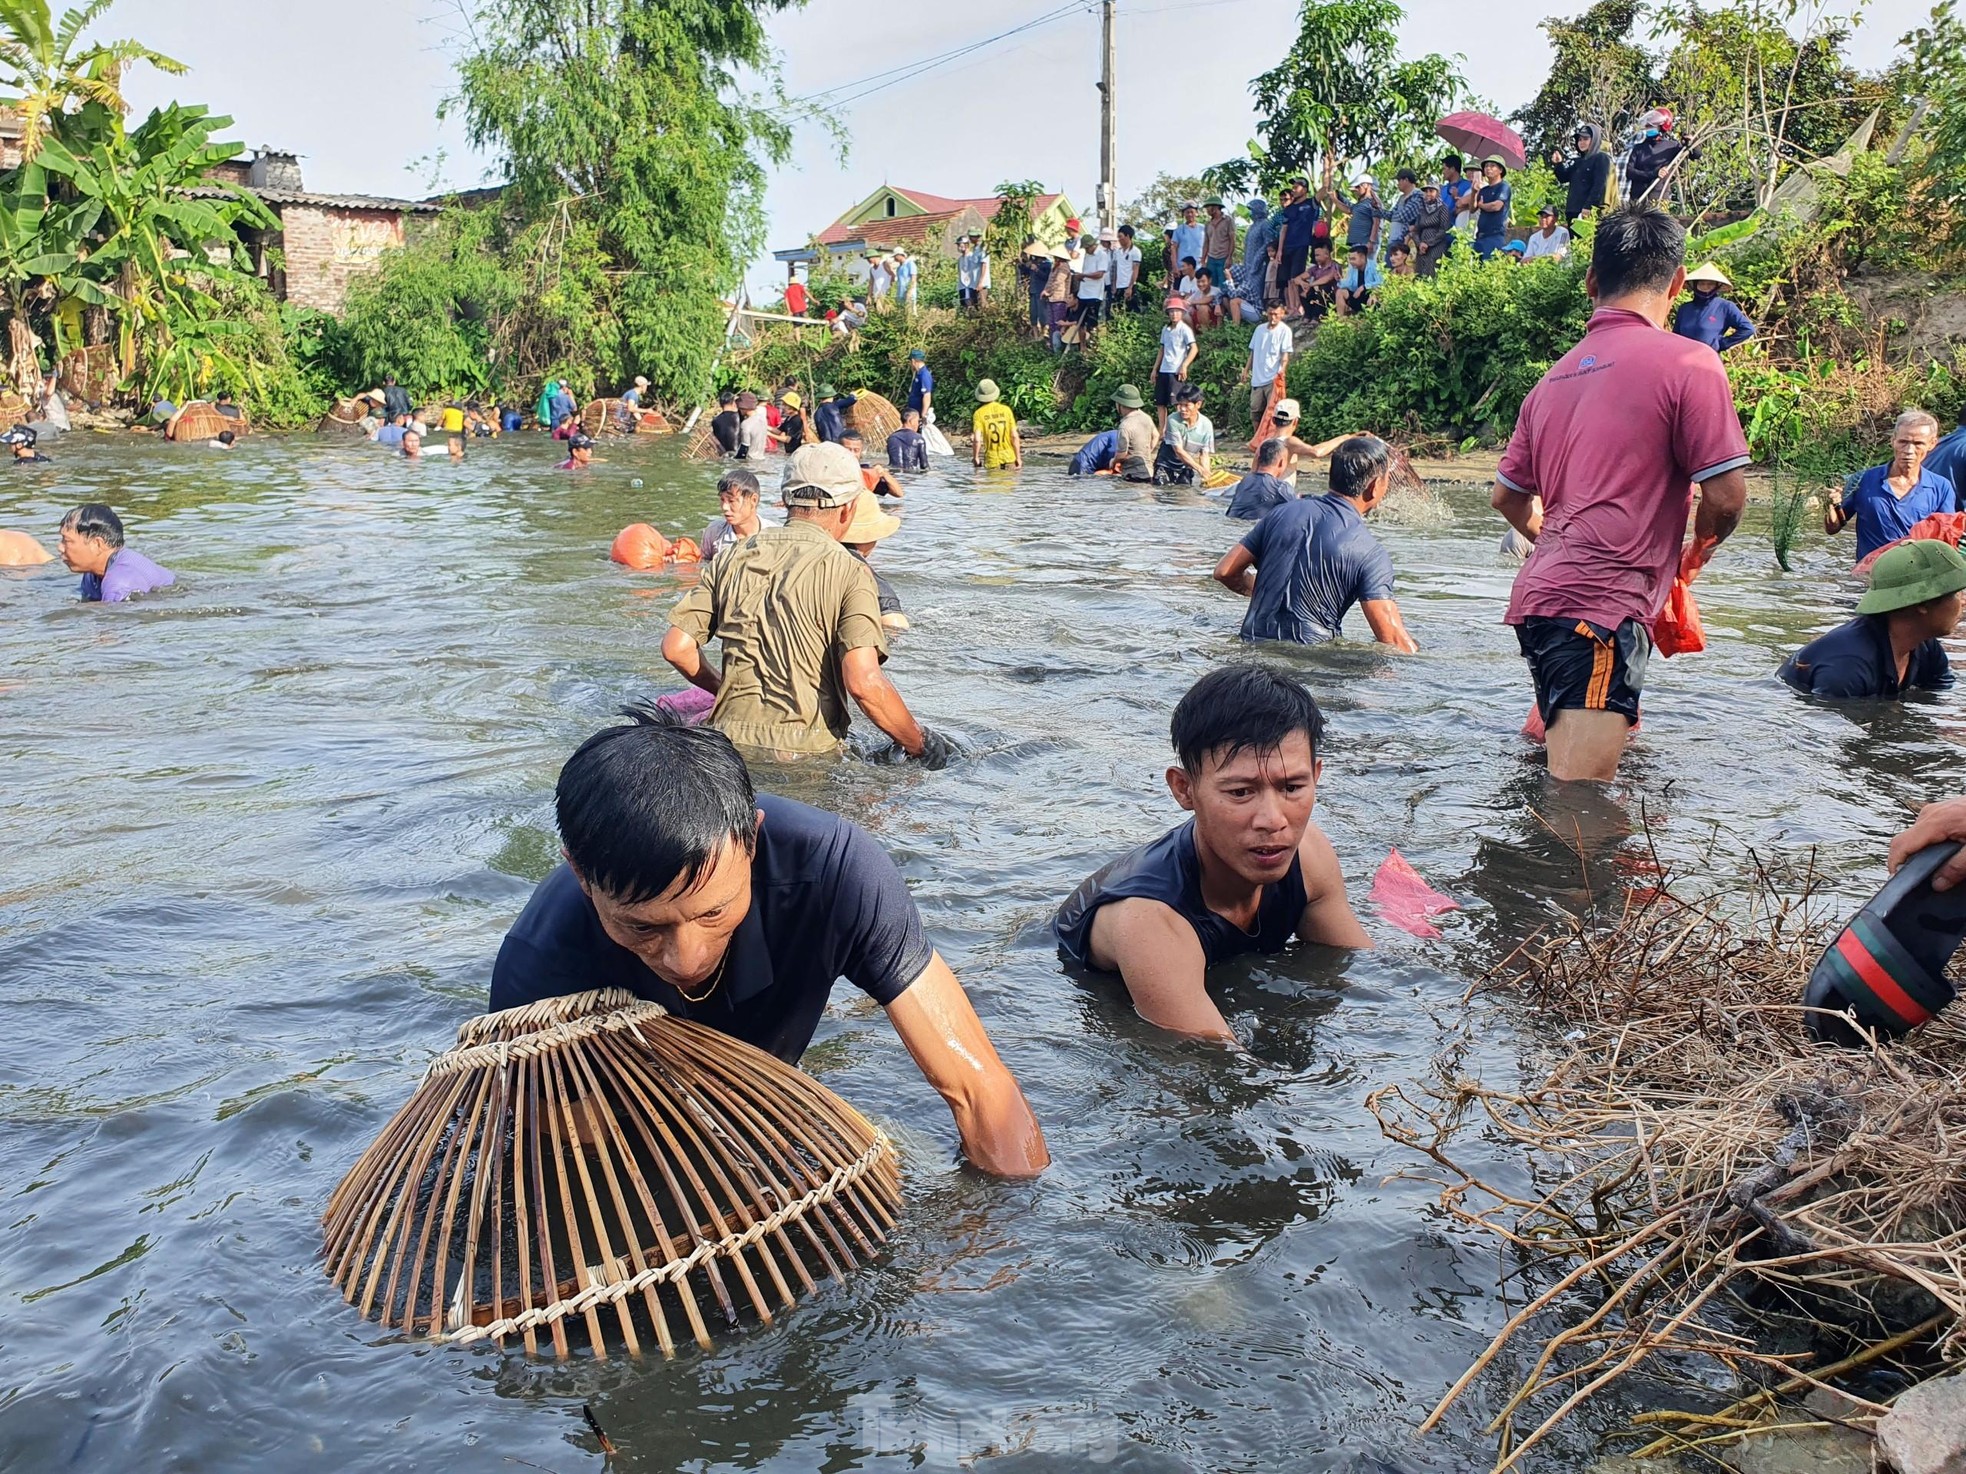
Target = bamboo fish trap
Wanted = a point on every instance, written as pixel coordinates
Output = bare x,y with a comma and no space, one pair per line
875,418
592,1164
618,417
200,420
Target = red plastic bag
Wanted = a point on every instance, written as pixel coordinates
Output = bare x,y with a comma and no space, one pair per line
1677,630
1940,527
1407,901
639,546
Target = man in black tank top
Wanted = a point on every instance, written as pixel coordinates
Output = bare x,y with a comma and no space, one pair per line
1247,872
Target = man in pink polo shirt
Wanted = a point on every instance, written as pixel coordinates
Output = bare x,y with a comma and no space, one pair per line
1599,476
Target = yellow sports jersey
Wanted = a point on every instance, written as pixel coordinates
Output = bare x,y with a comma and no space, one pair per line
996,431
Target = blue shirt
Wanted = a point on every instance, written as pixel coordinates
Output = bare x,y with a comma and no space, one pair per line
904,276
1297,225
1883,517
1187,242
1351,279
1169,871
390,435
1948,457
1453,193
1713,321
907,451
1855,662
1314,560
920,388
826,903
562,406
1493,225
829,420
1096,454
129,572
1365,214
1256,493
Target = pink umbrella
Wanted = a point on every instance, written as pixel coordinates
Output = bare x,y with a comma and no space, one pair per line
1482,137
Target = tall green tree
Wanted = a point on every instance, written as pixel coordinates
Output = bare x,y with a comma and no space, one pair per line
50,70
1600,73
1342,94
637,117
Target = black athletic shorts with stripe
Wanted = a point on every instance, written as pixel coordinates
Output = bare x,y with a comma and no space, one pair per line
1580,666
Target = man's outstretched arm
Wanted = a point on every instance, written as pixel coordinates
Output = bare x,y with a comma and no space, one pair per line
875,695
948,1044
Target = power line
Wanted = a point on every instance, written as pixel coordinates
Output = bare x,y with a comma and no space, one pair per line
908,71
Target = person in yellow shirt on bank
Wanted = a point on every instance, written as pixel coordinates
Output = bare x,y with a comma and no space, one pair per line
996,442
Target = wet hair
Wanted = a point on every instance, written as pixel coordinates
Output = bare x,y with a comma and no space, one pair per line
1188,394
1359,462
1271,453
1241,708
228,437
94,519
849,433
644,806
1638,248
739,481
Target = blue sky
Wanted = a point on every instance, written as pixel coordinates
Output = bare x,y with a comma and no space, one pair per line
356,92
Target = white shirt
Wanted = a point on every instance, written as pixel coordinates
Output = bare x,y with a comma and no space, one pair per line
1126,267
973,270
1175,341
1553,244
1268,347
1099,261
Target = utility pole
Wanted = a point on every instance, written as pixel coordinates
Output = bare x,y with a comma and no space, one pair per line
1109,196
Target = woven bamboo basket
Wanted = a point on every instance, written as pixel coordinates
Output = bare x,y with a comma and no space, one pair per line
345,418
703,444
594,1165
606,416
875,418
201,421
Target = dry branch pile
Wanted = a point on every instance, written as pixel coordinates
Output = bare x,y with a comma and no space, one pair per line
1695,1158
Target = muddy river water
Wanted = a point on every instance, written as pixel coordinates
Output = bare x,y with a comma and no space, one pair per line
263,833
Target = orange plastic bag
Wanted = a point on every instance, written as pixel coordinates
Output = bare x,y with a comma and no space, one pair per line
639,546
1677,630
685,550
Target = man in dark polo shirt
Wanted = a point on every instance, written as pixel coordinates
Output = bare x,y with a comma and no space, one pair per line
741,910
1893,645
1245,874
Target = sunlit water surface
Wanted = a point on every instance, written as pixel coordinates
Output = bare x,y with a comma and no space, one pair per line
265,831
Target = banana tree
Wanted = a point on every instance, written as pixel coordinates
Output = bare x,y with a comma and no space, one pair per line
46,63
153,246
42,261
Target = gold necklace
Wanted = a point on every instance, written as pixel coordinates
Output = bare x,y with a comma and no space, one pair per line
716,978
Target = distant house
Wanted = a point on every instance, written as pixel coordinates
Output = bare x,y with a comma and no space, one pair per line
322,241
893,217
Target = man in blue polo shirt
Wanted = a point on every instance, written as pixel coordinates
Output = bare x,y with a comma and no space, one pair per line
1887,501
1310,560
921,383
1095,455
741,910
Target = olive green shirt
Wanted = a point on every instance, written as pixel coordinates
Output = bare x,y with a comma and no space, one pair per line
788,603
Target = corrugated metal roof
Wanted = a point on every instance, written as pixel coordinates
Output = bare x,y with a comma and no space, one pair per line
319,201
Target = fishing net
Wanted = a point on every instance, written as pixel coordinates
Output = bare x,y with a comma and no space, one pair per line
593,1166
1410,501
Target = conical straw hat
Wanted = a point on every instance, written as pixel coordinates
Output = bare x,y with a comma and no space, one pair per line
594,1163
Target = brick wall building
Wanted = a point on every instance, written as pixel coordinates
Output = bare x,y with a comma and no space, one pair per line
322,241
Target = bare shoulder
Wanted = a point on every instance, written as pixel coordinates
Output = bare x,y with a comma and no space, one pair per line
1125,927
1320,863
